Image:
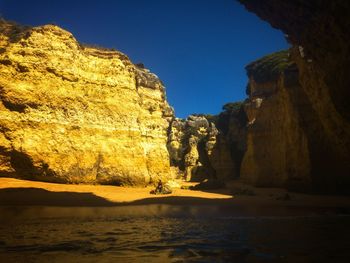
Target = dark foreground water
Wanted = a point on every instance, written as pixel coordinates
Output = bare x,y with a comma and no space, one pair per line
161,233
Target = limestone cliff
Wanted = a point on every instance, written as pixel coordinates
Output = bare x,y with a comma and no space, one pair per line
73,113
320,34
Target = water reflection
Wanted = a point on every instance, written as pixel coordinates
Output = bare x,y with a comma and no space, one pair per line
161,233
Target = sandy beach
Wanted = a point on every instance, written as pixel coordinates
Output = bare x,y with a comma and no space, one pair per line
15,192
109,193
46,222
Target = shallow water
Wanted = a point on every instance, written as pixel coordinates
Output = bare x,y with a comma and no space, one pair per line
162,233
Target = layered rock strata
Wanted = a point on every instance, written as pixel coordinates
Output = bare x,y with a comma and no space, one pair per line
78,114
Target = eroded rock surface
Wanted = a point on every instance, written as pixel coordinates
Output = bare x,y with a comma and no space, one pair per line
190,144
208,147
320,34
73,113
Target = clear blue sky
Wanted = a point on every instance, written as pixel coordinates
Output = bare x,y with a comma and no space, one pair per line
197,47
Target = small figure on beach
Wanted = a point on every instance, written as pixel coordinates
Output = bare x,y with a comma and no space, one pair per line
162,189
159,187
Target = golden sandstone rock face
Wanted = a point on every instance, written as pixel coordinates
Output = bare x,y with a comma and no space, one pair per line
76,114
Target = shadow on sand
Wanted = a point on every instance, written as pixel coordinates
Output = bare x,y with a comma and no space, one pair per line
41,197
241,206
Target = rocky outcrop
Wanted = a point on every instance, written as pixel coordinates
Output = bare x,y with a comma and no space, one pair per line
208,147
319,32
190,145
78,114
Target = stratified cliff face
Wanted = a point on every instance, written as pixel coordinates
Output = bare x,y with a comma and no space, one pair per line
320,34
70,113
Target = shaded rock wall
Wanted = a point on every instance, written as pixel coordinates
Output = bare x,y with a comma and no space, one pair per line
73,113
322,30
277,145
230,145
320,34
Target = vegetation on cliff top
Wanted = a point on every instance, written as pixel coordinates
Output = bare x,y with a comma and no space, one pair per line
233,110
233,107
269,67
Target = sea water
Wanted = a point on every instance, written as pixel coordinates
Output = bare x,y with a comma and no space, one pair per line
163,233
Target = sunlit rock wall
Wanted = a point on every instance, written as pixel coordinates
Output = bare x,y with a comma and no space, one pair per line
78,114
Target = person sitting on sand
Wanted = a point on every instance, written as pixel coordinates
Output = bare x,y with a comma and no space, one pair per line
162,189
159,187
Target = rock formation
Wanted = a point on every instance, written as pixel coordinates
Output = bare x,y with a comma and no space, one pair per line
190,144
319,32
298,133
73,113
277,146
230,145
208,147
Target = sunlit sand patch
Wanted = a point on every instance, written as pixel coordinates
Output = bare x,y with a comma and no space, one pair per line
110,193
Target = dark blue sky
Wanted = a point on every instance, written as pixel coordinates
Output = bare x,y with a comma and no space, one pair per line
197,47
